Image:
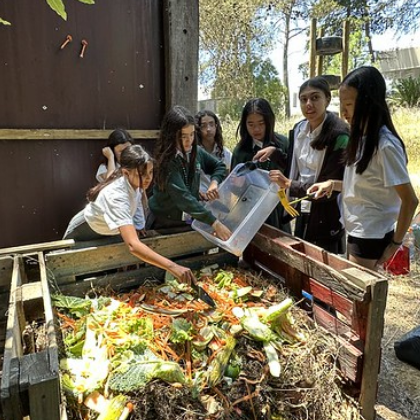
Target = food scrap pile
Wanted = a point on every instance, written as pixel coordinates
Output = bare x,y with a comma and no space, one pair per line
160,353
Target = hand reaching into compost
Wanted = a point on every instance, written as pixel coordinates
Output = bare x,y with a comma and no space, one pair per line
183,274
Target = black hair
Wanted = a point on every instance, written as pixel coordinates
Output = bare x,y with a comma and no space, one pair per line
256,106
132,157
218,137
370,113
333,126
118,136
169,140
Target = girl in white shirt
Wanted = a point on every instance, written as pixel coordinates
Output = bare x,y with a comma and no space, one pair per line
116,206
377,197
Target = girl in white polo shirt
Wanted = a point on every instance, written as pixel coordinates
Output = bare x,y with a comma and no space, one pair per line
116,206
378,200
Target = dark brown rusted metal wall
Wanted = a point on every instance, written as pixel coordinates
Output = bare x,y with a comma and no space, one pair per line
119,83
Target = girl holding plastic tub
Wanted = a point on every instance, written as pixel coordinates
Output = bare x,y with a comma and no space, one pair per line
378,200
176,199
257,139
116,207
317,146
118,140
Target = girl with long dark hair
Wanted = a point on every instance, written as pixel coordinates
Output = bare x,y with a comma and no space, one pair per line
117,205
317,146
176,198
378,199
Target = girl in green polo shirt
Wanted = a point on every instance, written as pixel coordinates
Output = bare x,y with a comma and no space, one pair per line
176,199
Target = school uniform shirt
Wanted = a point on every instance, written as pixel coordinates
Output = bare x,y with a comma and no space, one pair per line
370,202
226,155
102,170
118,204
307,166
278,160
307,160
182,195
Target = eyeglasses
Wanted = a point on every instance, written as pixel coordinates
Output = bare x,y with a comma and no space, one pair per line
204,126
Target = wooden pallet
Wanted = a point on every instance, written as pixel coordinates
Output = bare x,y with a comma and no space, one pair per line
30,383
345,299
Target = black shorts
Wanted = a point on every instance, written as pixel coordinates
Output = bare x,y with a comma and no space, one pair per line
371,249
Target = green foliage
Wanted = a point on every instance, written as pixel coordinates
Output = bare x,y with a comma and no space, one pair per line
58,7
4,22
406,92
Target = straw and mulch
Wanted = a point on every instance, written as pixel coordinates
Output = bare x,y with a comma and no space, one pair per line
309,384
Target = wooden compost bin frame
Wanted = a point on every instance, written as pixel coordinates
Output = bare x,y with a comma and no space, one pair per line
348,300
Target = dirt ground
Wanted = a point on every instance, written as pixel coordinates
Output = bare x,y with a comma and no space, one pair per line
399,383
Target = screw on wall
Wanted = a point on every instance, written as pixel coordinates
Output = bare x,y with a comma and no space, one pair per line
67,41
84,45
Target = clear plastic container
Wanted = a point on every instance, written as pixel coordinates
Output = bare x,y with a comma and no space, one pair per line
245,203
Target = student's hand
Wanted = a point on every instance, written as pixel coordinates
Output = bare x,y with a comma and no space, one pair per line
278,177
107,152
142,233
212,192
321,189
221,231
202,196
264,154
389,251
183,274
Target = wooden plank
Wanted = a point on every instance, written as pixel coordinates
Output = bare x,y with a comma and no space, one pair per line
56,134
330,322
33,248
42,386
128,280
372,349
10,398
6,269
66,266
273,242
350,359
49,315
180,27
332,298
359,277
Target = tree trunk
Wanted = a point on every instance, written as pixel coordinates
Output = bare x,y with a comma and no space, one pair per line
368,34
286,64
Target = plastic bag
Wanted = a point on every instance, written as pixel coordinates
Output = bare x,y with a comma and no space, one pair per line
399,263
407,348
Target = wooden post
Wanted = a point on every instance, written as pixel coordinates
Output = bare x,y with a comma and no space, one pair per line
320,57
372,350
181,52
345,53
312,49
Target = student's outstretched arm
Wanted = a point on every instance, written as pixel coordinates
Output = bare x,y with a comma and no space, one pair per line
146,254
409,203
